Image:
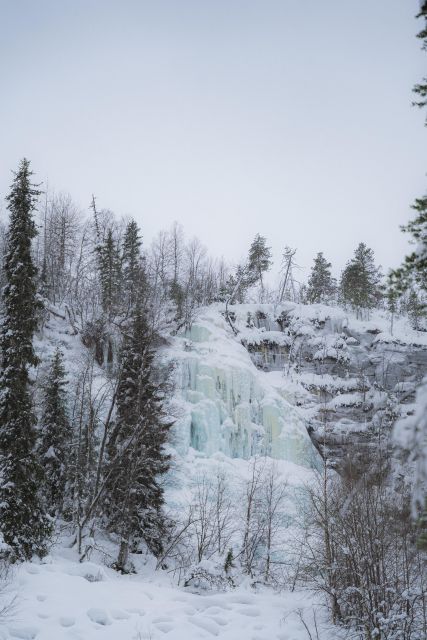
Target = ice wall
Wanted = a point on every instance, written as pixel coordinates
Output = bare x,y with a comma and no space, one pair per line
226,404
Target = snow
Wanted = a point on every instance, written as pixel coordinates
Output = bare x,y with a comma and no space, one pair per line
56,601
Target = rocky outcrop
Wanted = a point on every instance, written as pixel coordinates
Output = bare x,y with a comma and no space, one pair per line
352,379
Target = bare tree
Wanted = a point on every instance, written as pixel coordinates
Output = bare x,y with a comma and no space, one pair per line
253,517
361,552
273,497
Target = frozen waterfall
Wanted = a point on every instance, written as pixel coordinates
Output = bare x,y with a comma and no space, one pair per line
226,404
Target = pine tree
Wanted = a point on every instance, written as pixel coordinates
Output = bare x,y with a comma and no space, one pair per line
109,272
321,284
421,88
415,309
414,268
391,302
136,448
131,263
360,281
412,272
55,435
23,522
259,259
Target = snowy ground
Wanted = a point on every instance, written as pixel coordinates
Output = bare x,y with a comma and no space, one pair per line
62,599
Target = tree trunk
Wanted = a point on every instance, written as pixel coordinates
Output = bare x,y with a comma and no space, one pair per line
122,558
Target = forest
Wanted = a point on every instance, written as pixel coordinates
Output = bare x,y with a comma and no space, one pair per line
165,411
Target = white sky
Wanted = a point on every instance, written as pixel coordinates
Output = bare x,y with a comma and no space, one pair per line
289,118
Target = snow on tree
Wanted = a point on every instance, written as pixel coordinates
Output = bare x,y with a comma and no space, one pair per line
23,522
421,88
360,281
321,285
259,260
136,448
131,263
414,270
287,281
55,435
109,273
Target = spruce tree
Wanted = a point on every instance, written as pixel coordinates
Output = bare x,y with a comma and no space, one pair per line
415,309
131,263
54,435
259,259
413,271
321,285
109,273
360,281
136,448
23,522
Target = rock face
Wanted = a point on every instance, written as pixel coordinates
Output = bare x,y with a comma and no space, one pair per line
351,378
226,404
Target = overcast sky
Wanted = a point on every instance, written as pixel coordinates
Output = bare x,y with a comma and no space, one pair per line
287,118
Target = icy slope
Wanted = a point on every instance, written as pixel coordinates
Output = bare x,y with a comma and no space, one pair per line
228,405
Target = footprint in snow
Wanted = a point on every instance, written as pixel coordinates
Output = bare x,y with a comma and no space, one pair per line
189,611
161,619
253,612
213,610
241,599
24,633
67,621
164,626
218,619
207,625
139,612
32,568
100,616
118,614
41,597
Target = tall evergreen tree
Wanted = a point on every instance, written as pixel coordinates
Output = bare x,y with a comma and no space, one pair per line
109,272
360,281
136,448
421,89
415,309
414,268
55,435
321,285
23,522
259,259
132,271
413,274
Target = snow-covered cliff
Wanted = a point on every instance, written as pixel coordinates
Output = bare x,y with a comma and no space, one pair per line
349,378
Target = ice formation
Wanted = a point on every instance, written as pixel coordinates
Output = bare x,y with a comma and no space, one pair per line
228,405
